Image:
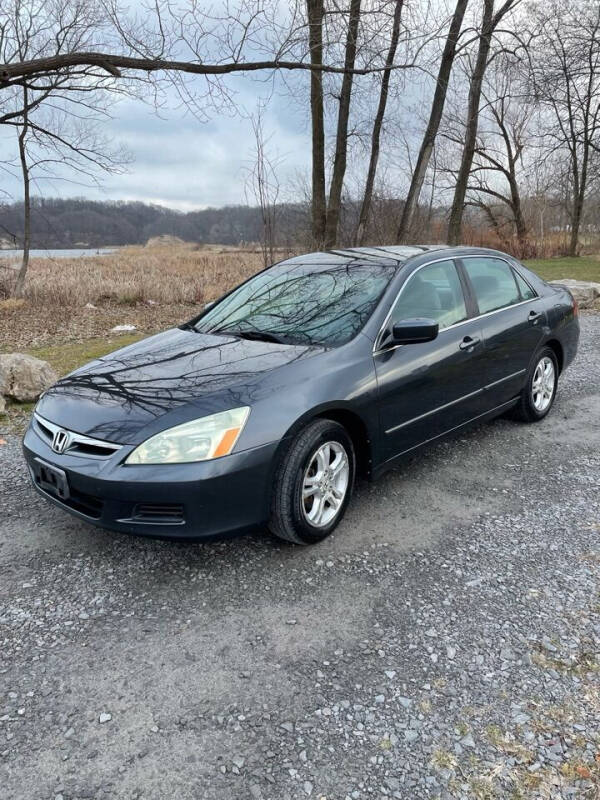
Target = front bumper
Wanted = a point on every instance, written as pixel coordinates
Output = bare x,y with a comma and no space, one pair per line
226,496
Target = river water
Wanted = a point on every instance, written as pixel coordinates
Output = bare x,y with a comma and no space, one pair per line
13,255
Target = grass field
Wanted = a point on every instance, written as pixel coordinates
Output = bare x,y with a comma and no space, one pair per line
66,357
584,268
152,288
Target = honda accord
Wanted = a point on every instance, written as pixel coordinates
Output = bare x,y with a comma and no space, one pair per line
263,409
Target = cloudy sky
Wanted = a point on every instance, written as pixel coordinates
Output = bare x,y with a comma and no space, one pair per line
181,162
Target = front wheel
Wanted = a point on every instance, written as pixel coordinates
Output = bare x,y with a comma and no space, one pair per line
314,483
538,395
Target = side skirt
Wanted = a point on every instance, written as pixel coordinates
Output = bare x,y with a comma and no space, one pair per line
487,415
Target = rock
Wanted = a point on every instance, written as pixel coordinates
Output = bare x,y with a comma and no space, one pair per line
2,405
24,378
104,717
585,292
122,328
89,305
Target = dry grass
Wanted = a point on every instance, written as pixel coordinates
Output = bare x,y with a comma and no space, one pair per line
166,275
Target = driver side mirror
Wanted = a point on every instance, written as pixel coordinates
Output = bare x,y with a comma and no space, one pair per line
415,331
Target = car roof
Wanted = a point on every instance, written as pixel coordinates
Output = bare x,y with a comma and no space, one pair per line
394,254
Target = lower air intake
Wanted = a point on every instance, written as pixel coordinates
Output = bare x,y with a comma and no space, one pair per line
159,513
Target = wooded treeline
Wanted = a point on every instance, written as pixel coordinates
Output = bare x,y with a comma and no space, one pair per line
443,120
77,222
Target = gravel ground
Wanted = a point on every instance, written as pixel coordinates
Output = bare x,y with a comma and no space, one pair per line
444,643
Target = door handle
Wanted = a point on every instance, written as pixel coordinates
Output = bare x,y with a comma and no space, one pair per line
534,316
467,343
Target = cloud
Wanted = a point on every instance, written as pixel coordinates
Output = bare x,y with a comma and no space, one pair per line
181,162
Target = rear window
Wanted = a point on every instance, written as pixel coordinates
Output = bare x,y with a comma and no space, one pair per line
493,282
527,292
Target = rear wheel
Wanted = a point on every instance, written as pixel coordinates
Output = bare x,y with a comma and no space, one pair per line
538,395
314,483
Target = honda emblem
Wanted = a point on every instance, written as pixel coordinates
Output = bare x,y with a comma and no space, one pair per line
60,441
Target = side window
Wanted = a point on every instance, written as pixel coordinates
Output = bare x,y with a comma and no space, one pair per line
434,291
527,292
493,282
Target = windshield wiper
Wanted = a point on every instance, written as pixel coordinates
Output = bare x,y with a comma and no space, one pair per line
256,336
259,336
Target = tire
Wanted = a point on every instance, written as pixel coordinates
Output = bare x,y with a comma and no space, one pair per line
303,481
530,408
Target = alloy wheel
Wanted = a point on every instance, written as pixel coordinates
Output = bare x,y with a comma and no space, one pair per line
543,384
325,484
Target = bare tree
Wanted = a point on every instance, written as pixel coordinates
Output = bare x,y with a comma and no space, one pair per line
567,85
263,184
489,24
57,122
433,124
22,137
367,200
341,142
499,170
315,12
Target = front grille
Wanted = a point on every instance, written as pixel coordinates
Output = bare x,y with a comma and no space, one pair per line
159,513
43,428
77,443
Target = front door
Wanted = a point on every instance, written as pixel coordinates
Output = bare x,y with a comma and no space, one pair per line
428,389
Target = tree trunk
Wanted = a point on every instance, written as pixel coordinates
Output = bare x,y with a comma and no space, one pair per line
20,284
435,117
462,180
341,142
576,215
318,204
579,188
516,206
365,209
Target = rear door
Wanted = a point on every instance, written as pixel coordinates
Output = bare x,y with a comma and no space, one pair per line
427,389
512,319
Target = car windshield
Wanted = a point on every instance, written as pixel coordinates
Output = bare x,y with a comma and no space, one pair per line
300,303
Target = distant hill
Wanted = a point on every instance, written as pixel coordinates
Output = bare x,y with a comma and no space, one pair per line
58,223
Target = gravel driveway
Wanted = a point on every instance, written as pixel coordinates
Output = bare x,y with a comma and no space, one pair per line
443,643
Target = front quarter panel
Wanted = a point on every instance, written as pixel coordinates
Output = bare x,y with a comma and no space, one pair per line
342,379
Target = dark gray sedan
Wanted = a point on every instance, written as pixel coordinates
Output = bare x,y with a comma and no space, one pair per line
262,410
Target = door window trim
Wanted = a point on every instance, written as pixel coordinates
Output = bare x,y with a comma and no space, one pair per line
377,343
469,298
513,271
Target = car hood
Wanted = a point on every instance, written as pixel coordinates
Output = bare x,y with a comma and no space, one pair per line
165,380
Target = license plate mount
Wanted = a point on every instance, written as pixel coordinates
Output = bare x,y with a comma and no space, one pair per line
51,479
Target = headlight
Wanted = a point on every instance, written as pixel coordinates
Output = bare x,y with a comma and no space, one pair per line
199,440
